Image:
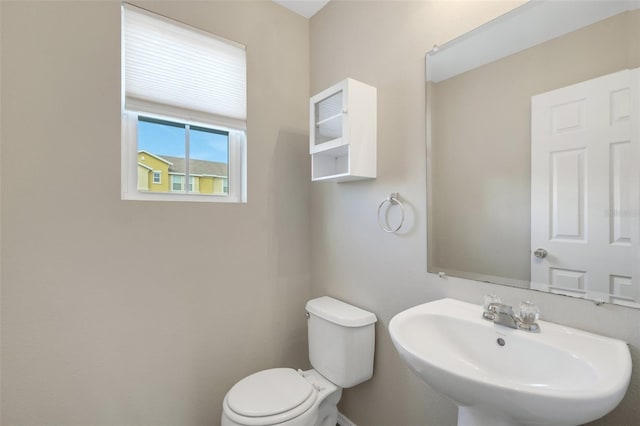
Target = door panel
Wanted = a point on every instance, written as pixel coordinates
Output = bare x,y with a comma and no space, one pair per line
585,189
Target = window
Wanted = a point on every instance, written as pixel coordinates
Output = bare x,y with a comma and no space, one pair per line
181,149
176,182
184,112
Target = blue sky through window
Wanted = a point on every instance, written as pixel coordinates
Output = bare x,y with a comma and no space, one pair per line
161,139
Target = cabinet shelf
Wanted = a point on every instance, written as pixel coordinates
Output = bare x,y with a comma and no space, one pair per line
330,163
328,119
343,146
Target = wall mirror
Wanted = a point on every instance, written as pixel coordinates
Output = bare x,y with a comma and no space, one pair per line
533,157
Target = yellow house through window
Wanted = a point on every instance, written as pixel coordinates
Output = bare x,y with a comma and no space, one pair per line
168,152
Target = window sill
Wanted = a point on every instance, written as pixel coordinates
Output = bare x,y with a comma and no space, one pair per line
156,196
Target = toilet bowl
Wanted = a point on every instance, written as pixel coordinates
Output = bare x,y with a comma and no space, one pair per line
341,346
282,396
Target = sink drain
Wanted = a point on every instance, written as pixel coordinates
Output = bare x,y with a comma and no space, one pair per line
501,341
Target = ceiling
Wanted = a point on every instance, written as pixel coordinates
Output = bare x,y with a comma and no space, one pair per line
306,8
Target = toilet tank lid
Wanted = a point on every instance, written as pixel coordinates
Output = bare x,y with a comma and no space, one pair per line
338,312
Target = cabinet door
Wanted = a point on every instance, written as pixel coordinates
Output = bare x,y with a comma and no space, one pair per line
328,119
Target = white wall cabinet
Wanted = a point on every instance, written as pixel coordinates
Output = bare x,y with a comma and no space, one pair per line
343,132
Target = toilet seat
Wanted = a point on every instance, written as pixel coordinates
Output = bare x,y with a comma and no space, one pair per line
269,397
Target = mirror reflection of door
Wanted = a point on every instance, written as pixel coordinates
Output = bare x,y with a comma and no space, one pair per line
478,103
585,191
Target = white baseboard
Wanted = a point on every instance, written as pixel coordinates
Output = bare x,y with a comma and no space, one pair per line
344,421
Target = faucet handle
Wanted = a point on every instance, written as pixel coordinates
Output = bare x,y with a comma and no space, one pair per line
529,312
528,315
489,300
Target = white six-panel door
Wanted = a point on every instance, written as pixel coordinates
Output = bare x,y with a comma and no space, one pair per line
585,189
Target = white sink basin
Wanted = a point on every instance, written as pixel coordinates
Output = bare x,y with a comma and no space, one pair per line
560,376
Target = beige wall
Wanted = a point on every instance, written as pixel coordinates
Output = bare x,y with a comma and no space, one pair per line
481,217
384,44
91,335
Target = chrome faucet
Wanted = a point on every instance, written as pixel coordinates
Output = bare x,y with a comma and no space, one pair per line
503,314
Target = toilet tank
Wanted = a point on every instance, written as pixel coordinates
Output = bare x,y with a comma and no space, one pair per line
341,341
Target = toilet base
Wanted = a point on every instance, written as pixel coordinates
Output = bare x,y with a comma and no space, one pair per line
328,410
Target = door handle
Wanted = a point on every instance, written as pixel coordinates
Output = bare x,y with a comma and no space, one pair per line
540,253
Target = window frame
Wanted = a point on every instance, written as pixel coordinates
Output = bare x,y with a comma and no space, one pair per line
153,177
176,180
237,166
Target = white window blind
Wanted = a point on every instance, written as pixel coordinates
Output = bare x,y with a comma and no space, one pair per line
175,70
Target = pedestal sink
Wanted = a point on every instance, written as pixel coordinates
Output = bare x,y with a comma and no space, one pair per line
500,376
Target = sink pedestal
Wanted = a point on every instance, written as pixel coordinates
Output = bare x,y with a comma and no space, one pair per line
470,416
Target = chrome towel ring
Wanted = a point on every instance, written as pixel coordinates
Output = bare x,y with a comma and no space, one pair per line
390,200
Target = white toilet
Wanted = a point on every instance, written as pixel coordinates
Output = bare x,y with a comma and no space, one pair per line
341,345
